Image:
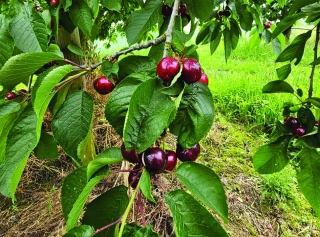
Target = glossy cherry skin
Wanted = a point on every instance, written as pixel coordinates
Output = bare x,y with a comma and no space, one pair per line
54,2
154,160
204,79
130,155
103,85
292,123
191,71
168,68
172,160
190,154
267,25
134,176
11,96
299,132
166,10
182,9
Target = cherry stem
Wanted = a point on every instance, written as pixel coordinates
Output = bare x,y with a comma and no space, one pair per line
126,213
75,64
141,208
107,226
130,171
169,30
69,80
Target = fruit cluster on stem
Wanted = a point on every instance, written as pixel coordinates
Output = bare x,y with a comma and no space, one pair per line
294,125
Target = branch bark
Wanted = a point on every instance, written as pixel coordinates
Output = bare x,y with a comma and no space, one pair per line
315,56
168,32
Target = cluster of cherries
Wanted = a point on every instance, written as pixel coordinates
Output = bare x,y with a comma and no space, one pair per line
156,161
267,25
182,10
13,95
294,125
169,67
225,12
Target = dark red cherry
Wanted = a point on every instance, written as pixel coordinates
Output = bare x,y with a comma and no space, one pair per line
134,176
299,132
172,160
54,2
166,10
129,155
190,154
103,85
51,23
191,71
267,25
168,68
182,9
204,79
155,160
11,96
292,123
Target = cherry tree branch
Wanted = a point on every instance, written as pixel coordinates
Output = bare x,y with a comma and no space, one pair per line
168,32
315,56
144,45
107,226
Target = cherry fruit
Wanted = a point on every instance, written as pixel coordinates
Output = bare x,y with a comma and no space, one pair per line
168,68
155,160
166,10
191,71
103,85
292,122
134,176
299,132
190,154
172,160
204,79
11,96
267,25
54,2
182,9
130,155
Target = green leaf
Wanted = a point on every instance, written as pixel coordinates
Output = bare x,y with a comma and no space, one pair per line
29,31
284,71
135,64
6,41
145,185
309,177
81,15
133,230
75,49
142,21
78,205
245,17
278,86
295,49
94,5
118,102
22,139
106,209
114,5
276,45
195,115
147,117
73,121
286,23
315,101
190,217
267,36
205,184
235,33
298,4
227,43
215,43
254,40
109,69
204,32
200,9
306,118
109,156
20,67
272,157
80,231
47,147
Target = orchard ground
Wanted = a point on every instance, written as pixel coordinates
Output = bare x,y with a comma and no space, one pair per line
268,205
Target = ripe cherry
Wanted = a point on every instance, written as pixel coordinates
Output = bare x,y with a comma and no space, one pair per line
190,154
166,10
292,123
191,71
299,132
11,96
316,123
182,9
51,23
267,25
54,2
134,176
204,79
155,160
168,68
129,155
103,85
172,160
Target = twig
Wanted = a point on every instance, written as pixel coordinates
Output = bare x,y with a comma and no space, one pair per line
75,64
69,80
168,32
144,45
107,226
315,56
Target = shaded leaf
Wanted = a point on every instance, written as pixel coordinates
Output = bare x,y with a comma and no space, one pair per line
284,71
278,86
286,23
47,147
80,231
81,15
6,41
306,118
145,185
